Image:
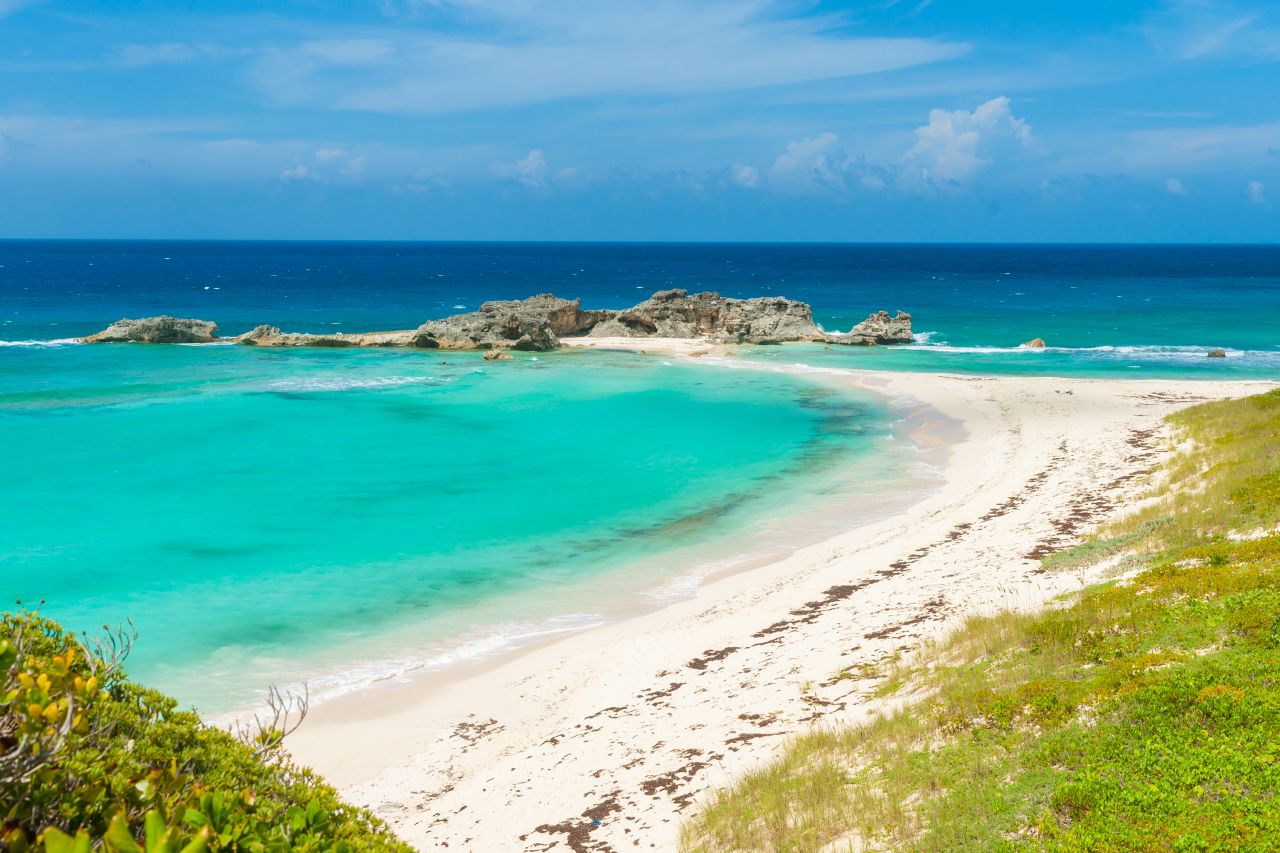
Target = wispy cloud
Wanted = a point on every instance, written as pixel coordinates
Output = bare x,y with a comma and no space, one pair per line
1173,186
1197,29
164,53
1257,192
534,51
9,7
1204,147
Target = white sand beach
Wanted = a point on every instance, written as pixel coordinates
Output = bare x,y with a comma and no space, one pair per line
603,739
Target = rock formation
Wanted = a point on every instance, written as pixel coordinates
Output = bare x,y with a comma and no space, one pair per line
879,328
270,336
1035,343
534,324
157,330
1217,353
497,355
676,314
538,323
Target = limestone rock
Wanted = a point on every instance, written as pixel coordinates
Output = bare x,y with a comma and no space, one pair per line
1035,343
1216,353
497,355
878,328
538,323
157,330
677,314
270,336
534,324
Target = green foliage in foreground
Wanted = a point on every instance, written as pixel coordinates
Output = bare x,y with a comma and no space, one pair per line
1142,715
91,761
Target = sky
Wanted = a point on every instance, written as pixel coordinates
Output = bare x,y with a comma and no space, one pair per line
894,120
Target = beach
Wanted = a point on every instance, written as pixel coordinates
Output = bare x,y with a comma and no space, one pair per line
603,739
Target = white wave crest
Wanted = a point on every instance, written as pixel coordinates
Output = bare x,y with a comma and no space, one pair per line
55,342
478,645
333,383
1153,351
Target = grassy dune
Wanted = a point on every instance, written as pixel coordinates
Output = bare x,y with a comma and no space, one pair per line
1141,714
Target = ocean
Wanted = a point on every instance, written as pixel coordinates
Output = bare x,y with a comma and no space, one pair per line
340,517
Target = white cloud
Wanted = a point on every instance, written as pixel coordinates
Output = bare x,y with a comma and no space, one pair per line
954,146
744,176
530,171
165,53
948,153
349,51
1257,192
1173,186
815,164
480,55
328,166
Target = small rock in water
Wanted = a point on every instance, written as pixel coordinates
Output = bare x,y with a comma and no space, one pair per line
1035,343
1217,353
497,355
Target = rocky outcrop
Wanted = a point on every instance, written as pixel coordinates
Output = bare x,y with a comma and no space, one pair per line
1035,343
497,355
538,323
879,328
157,330
1216,353
676,314
270,336
534,324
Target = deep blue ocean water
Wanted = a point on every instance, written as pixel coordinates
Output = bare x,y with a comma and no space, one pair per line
1073,296
269,515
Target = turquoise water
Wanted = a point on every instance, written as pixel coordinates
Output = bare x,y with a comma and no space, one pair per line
267,515
340,517
1127,362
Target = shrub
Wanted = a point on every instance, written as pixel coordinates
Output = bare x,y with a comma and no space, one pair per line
90,760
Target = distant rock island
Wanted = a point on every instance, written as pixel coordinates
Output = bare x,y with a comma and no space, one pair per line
538,323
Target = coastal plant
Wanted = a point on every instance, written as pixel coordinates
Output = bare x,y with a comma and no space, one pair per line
1142,714
92,761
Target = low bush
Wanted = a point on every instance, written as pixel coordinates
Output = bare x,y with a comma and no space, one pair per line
92,761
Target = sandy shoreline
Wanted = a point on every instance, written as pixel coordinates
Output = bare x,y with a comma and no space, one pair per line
629,723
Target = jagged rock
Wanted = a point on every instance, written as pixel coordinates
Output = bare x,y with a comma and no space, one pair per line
527,324
878,328
537,324
1035,343
497,355
157,330
270,336
676,314
1216,353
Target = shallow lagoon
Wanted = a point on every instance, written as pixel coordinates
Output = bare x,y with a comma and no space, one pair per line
265,515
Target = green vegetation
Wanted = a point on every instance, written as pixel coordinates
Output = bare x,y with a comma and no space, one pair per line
91,761
1142,714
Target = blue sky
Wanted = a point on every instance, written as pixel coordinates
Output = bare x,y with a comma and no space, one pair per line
655,119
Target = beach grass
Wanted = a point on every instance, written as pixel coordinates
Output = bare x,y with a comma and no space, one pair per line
1138,714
